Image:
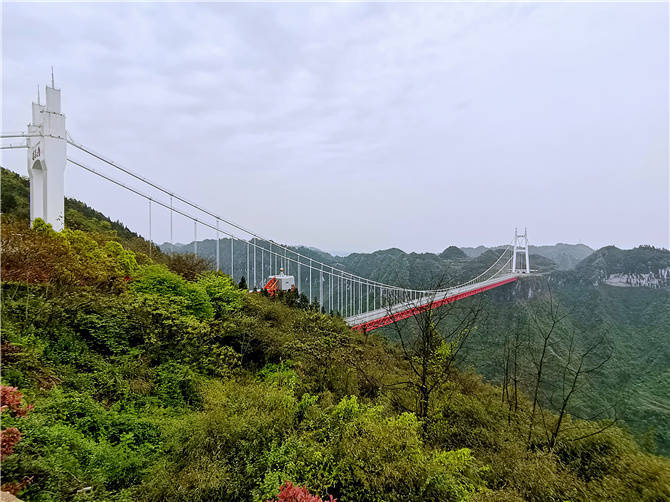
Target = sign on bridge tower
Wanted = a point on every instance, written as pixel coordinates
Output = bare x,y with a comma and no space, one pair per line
46,160
520,246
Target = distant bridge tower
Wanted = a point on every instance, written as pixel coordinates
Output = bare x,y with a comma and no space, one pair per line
520,246
46,159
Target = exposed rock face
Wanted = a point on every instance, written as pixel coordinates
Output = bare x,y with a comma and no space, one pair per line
650,280
644,266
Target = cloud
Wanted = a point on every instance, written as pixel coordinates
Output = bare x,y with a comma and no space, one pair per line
365,126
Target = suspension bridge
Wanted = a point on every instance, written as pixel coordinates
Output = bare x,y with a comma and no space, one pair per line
364,303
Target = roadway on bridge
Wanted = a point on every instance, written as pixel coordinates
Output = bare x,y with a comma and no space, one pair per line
374,319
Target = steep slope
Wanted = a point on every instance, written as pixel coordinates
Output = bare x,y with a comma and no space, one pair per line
145,385
645,266
15,203
635,321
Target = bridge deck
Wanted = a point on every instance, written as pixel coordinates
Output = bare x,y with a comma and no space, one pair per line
385,316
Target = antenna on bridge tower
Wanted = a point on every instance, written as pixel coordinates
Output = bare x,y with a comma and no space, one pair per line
520,246
52,77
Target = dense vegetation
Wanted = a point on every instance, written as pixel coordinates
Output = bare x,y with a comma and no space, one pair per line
632,322
612,260
150,383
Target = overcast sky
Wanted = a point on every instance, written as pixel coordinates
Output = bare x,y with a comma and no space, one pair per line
358,127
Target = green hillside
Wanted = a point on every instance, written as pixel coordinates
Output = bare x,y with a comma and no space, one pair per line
15,191
633,384
128,380
612,260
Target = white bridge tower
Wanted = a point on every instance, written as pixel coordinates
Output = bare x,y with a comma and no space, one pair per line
520,246
47,159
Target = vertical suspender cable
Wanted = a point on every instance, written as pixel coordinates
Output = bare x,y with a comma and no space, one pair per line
330,294
344,296
218,261
171,230
255,283
339,294
149,228
232,256
195,237
248,278
357,304
310,281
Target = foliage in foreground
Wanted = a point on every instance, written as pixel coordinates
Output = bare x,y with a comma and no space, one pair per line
149,386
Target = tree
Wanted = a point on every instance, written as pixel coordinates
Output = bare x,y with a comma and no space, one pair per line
188,265
577,366
545,319
430,342
562,358
303,301
243,283
511,366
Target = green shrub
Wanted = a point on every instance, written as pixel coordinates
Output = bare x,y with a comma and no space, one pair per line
382,457
70,257
281,374
226,298
71,442
177,385
188,265
158,280
217,454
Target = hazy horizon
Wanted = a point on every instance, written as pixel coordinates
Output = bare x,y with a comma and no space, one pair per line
363,126
343,254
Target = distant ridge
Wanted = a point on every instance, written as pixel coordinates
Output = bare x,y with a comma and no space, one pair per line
643,266
566,256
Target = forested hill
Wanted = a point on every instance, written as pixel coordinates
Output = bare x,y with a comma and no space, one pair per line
15,201
129,376
644,266
392,266
565,256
